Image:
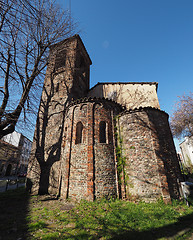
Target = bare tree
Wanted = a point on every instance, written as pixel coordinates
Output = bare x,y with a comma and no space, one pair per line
27,30
182,118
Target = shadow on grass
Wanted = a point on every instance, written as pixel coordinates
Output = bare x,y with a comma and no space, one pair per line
13,214
122,231
167,232
49,199
184,225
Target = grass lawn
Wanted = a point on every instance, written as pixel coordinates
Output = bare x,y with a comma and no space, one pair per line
23,217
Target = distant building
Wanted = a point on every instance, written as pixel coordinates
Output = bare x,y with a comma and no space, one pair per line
187,151
19,146
8,159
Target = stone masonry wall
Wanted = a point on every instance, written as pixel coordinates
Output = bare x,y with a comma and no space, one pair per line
104,155
59,89
88,168
168,165
74,156
141,164
152,166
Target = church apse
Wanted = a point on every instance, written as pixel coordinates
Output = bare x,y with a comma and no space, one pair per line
75,146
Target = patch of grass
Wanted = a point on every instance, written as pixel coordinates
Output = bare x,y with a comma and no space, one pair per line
37,225
45,218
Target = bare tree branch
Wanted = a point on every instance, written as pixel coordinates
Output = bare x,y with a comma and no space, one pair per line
6,87
182,118
27,30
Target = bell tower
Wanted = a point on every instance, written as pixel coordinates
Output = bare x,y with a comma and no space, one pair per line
67,78
69,69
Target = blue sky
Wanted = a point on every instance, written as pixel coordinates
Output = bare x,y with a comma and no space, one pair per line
139,40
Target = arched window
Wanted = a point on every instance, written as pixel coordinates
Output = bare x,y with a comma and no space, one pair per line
102,132
79,128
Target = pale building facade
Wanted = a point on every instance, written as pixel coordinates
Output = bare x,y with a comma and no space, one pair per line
187,151
23,147
130,94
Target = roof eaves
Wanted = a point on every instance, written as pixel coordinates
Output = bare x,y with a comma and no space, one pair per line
141,83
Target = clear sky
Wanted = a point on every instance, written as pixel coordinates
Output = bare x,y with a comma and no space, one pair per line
139,40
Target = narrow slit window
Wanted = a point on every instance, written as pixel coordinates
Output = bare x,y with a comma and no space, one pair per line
79,128
102,132
57,87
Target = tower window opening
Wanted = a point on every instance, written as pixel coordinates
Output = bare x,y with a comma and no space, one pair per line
57,87
102,132
60,60
79,128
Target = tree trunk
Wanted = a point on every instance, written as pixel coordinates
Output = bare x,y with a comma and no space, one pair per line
44,179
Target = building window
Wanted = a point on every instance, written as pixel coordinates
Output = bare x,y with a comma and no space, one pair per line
79,128
102,132
60,60
57,87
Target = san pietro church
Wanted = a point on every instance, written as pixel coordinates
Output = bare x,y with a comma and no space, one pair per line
111,140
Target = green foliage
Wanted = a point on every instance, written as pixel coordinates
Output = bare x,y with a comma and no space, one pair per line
121,160
49,236
110,219
187,169
37,225
102,219
132,147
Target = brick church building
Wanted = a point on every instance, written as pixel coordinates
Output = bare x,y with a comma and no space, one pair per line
108,141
